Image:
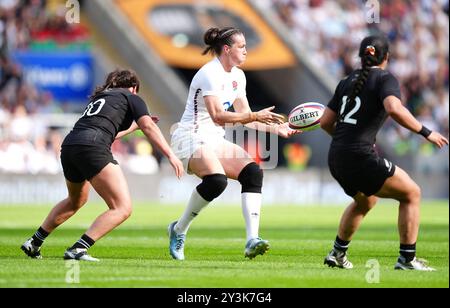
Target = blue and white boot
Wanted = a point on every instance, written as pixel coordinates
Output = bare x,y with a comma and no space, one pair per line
256,246
176,242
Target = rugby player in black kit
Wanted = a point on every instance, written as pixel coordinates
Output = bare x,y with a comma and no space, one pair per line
113,111
355,114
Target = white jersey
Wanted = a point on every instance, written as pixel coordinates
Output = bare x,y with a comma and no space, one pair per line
211,79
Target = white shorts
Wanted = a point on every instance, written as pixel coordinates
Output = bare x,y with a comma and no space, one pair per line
185,143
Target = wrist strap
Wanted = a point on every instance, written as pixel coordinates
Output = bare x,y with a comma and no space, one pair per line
424,131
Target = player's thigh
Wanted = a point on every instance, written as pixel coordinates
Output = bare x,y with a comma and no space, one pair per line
397,186
204,161
233,158
111,185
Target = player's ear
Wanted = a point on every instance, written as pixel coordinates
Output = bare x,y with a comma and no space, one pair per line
226,48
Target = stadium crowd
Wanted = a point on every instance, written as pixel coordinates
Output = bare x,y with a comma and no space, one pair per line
29,141
418,31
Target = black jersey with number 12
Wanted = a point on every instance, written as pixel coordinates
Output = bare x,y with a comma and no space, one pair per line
360,120
107,113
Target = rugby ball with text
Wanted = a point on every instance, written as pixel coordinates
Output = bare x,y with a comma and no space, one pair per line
306,116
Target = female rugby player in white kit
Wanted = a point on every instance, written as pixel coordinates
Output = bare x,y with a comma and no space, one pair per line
200,144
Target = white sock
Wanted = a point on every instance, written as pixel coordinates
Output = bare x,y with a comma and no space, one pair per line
251,209
195,205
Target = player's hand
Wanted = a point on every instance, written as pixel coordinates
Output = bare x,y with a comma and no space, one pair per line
177,166
285,131
437,139
268,117
155,118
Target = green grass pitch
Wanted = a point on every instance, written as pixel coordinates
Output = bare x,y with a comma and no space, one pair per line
136,253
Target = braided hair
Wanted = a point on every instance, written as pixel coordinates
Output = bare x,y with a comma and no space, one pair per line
372,51
216,38
119,79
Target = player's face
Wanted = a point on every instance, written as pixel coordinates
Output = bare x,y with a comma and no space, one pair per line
238,51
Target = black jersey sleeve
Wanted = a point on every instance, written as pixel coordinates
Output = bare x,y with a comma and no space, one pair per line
389,86
138,107
333,104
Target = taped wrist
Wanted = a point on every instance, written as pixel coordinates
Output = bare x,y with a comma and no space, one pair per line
424,131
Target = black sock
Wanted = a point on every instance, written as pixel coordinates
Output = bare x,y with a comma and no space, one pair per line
408,251
39,236
84,242
341,245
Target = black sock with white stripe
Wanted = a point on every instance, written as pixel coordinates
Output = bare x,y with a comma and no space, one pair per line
408,251
84,242
341,245
39,237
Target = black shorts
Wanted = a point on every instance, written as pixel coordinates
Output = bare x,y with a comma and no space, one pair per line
359,170
83,162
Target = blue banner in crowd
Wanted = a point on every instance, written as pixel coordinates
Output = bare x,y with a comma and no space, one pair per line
68,76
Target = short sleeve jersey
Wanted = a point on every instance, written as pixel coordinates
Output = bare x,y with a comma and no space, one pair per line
360,120
107,113
213,80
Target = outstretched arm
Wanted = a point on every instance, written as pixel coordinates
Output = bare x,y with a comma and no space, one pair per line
281,129
402,116
222,117
154,135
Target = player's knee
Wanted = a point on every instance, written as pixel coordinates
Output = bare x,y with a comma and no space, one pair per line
364,205
125,213
82,201
414,194
411,195
251,178
77,203
212,186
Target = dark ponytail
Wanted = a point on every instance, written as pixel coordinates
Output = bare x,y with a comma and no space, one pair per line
372,51
119,79
216,38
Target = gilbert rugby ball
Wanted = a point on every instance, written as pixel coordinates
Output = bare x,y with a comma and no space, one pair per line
306,116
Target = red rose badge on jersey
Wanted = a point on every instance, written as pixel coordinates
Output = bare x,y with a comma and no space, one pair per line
235,85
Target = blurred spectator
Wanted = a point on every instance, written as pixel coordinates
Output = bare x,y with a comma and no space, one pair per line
141,160
20,126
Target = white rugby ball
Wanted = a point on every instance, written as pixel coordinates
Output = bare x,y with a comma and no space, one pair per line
306,117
